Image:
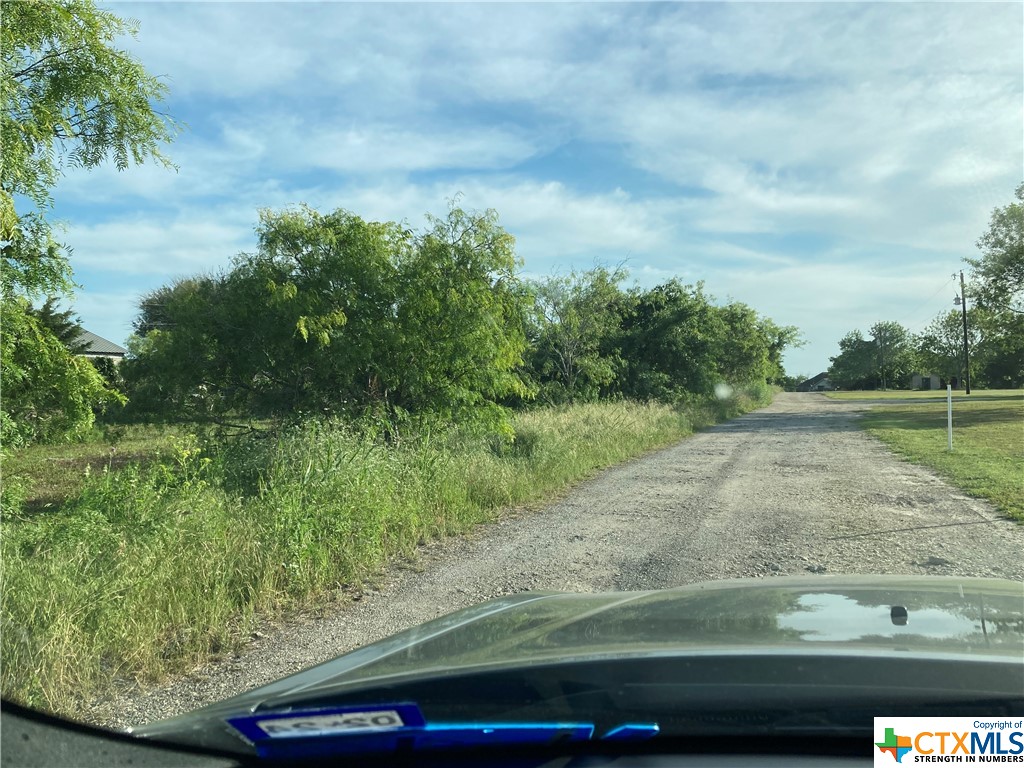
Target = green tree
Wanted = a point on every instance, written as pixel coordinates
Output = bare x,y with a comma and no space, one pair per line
576,319
886,359
173,351
996,342
672,337
336,315
790,382
940,347
999,271
853,367
779,338
63,324
1001,362
328,283
893,359
294,328
48,393
461,314
752,346
70,97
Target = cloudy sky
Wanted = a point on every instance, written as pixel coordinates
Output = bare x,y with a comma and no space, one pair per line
829,164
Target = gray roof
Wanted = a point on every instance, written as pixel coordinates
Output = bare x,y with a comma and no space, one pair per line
815,379
97,345
821,380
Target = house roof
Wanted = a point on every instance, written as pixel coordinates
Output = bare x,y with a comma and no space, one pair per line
814,379
97,345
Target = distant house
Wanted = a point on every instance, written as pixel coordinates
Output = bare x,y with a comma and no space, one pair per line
97,346
819,383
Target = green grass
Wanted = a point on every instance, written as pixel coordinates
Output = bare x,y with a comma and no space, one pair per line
49,475
149,570
988,442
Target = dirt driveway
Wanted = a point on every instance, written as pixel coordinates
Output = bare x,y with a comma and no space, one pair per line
789,489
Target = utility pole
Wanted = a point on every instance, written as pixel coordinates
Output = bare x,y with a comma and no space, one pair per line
881,354
967,354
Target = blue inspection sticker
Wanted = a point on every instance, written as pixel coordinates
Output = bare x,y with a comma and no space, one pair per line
335,721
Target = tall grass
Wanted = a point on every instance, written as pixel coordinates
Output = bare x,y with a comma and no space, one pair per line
149,571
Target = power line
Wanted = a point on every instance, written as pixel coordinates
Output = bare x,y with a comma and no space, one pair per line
914,312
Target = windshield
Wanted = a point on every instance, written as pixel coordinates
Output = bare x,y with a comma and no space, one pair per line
323,322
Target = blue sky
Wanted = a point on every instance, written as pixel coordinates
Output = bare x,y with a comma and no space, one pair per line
829,164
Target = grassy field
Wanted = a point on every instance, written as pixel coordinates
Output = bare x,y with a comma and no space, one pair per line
988,439
48,475
147,570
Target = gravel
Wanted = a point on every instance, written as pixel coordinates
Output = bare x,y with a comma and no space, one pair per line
794,488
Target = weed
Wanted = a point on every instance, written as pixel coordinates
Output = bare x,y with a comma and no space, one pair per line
151,567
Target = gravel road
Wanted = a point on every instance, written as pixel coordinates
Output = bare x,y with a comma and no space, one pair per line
792,488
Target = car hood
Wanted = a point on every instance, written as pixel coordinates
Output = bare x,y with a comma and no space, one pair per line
912,617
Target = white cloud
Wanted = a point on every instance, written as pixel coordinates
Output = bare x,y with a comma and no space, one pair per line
880,128
828,300
290,144
234,50
550,221
160,247
965,167
218,164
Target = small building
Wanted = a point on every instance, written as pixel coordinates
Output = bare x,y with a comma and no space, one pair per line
97,346
925,381
819,383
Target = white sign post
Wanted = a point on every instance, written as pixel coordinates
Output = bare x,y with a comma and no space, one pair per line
949,415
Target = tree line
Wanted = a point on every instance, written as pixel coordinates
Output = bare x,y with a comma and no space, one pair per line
334,315
890,354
